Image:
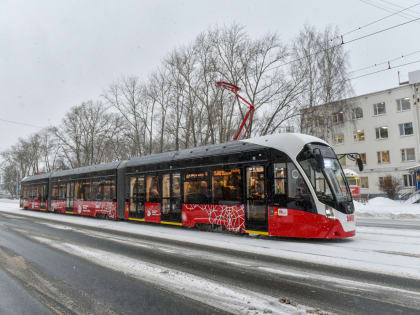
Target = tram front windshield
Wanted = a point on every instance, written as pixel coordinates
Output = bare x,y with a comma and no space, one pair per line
329,183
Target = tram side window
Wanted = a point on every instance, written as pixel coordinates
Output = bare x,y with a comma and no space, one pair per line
299,195
78,190
255,182
227,186
280,178
196,188
86,190
176,185
62,191
152,188
97,190
55,191
109,189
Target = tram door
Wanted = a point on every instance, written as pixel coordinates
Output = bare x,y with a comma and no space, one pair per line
256,200
137,196
70,196
44,196
171,198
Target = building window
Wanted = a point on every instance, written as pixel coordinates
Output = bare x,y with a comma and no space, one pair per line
383,157
379,109
359,135
403,104
339,139
406,129
357,113
385,181
363,157
364,182
408,180
381,132
408,155
338,118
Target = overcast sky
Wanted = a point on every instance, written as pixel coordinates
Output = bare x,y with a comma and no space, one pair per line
57,54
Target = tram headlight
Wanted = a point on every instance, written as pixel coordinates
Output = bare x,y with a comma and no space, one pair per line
329,212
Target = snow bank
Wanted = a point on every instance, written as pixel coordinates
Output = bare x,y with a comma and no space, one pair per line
385,207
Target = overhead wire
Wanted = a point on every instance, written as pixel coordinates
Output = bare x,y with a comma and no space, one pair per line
374,22
389,10
397,5
382,70
345,42
20,123
386,62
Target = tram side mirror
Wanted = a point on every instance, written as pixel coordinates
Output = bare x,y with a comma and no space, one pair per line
319,160
359,164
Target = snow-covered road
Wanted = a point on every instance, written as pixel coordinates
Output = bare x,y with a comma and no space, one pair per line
375,249
378,270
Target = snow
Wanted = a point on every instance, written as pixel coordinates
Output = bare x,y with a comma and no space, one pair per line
387,208
236,300
375,249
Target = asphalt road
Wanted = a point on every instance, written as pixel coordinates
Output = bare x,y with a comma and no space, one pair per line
45,280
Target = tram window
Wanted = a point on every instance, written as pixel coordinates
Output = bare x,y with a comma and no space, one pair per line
109,189
166,185
196,188
280,178
296,184
62,191
86,190
176,185
227,186
55,191
152,189
255,182
97,190
133,193
78,191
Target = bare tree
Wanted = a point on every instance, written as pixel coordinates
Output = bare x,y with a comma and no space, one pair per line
390,185
322,62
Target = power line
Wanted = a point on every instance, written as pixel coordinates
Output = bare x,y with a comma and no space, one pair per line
343,43
404,15
376,21
381,31
398,6
382,70
386,62
20,123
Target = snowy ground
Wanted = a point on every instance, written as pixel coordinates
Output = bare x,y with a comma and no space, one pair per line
387,208
375,249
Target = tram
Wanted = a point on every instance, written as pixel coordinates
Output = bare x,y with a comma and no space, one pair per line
287,185
353,181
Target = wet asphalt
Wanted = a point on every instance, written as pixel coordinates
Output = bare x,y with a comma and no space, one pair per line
36,277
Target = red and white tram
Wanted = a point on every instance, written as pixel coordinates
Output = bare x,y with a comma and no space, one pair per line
288,185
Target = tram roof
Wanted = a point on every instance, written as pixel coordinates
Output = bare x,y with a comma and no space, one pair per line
87,169
289,143
193,153
36,177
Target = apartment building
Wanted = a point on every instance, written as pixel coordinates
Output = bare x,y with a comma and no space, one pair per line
383,127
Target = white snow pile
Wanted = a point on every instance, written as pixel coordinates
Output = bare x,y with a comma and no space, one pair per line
9,203
387,208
